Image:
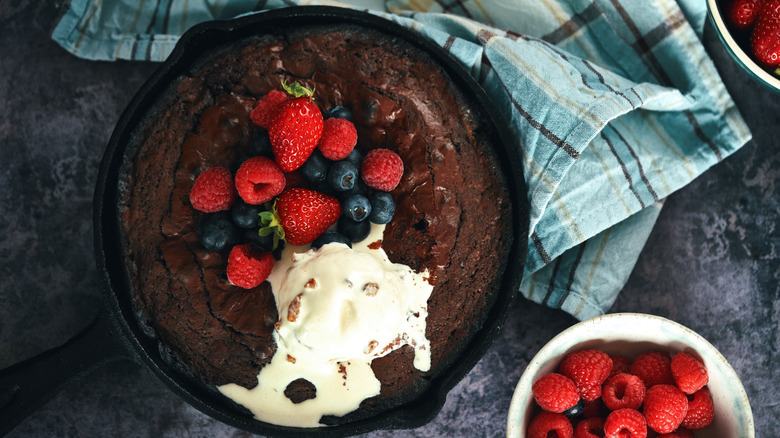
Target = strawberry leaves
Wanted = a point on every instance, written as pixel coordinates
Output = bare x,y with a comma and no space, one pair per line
269,225
297,90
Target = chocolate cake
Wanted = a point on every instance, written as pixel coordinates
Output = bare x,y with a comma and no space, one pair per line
452,218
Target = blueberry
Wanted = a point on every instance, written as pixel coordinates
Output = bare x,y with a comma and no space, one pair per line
277,253
264,243
356,207
576,410
218,233
382,207
355,157
354,231
330,237
315,169
360,188
325,188
246,215
342,175
261,145
337,112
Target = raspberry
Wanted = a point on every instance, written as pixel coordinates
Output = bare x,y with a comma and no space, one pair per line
213,190
665,408
592,427
620,364
689,374
258,180
264,108
654,368
247,268
700,411
593,408
382,169
681,432
545,422
588,369
339,137
625,423
555,393
623,391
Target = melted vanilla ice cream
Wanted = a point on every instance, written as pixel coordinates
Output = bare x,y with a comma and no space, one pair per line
339,308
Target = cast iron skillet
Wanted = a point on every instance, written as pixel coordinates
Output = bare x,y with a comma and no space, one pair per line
115,333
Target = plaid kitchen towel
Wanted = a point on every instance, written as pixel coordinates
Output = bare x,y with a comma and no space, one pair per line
614,103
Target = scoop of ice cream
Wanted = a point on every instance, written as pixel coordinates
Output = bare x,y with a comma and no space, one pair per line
339,308
338,303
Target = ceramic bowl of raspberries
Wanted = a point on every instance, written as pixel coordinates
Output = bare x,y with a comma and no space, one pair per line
629,375
750,32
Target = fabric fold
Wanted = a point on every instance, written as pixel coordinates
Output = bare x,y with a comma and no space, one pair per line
614,105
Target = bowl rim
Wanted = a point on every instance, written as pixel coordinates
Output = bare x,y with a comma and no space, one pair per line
744,60
521,399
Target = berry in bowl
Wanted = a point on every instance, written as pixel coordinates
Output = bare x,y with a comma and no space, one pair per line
629,375
750,32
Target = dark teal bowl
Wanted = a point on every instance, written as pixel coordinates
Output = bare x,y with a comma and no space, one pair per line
742,58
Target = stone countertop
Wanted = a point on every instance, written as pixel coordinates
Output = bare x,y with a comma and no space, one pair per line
712,263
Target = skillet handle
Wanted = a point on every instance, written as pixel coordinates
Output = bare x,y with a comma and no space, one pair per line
27,385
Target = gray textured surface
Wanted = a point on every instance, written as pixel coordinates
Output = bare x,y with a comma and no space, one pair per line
711,263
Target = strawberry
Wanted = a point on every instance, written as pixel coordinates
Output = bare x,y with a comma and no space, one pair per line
295,128
743,13
300,215
765,39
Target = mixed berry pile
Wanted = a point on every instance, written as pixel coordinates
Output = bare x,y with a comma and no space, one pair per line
593,394
306,183
758,20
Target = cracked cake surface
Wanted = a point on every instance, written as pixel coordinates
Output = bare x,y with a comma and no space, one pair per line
452,216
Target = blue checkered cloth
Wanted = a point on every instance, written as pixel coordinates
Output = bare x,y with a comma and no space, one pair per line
615,103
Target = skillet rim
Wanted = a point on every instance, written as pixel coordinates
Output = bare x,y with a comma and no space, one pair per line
108,248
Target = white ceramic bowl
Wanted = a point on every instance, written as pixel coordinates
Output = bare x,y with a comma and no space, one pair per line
630,334
742,58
